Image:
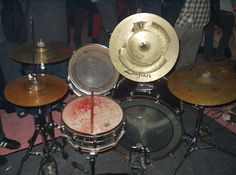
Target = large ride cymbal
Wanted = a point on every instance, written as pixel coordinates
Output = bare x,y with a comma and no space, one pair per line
144,47
44,53
204,84
35,91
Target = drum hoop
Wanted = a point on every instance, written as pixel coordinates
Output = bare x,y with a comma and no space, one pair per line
99,134
76,56
159,101
93,135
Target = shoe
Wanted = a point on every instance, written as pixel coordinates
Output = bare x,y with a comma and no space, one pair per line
21,114
9,144
3,160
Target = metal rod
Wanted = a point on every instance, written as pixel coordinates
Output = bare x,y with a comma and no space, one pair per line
92,113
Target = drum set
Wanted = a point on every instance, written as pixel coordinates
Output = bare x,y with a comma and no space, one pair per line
124,95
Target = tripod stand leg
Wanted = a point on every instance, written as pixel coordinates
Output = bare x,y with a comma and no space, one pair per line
193,141
56,146
32,141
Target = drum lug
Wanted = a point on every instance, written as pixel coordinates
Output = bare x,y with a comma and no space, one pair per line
70,85
61,127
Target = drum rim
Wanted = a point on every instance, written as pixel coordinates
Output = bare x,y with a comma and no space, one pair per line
76,56
101,133
179,127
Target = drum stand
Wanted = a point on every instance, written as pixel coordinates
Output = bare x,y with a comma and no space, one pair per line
42,127
138,164
194,141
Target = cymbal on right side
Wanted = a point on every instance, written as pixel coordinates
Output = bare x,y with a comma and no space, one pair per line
204,84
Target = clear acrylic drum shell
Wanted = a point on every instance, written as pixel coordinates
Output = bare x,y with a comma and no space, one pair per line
90,69
83,141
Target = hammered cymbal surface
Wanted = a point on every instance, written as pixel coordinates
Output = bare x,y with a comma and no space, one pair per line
143,47
204,84
32,92
50,53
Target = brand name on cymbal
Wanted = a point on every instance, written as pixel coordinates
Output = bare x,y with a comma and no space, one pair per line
138,74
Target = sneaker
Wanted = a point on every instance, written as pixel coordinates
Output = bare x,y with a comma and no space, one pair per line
9,144
3,160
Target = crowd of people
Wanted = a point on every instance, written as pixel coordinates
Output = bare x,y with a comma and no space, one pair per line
63,21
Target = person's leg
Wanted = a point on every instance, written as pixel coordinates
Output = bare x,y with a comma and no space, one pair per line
227,23
208,48
2,134
189,44
109,19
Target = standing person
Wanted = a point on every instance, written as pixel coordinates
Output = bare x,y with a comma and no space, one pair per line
50,25
76,13
149,6
171,10
4,141
223,17
11,69
109,19
193,17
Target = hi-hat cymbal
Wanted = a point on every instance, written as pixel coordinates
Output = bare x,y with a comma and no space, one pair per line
44,53
35,91
144,47
204,84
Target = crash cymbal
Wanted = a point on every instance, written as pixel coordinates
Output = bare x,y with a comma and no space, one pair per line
204,84
35,91
143,47
44,53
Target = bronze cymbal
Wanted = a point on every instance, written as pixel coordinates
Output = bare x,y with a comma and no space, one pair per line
144,47
44,53
35,91
204,84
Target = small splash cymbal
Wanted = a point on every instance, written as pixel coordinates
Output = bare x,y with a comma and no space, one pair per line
35,91
44,53
204,84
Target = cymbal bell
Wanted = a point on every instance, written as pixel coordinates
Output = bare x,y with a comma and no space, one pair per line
44,53
204,84
143,47
35,91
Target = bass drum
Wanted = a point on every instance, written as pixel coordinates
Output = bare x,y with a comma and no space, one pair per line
150,121
157,89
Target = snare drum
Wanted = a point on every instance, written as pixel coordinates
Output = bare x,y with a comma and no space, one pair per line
108,123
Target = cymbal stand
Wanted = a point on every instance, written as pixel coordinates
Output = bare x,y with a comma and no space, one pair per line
55,146
92,160
43,129
194,140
